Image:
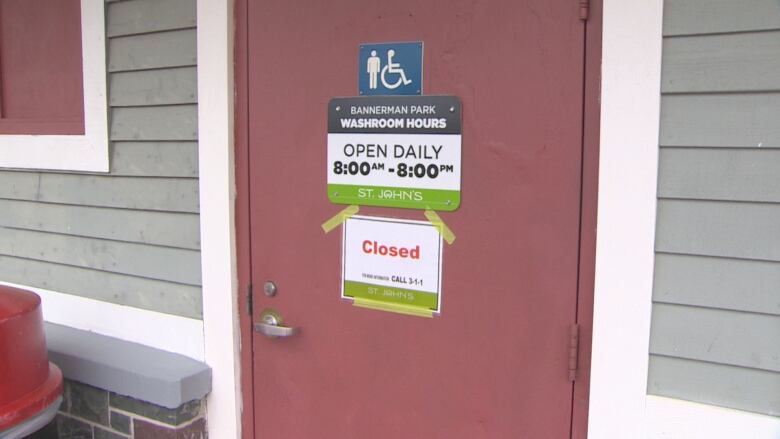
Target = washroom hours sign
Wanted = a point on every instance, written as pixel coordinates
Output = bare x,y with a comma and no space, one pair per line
395,151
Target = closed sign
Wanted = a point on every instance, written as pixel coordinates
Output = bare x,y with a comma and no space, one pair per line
392,261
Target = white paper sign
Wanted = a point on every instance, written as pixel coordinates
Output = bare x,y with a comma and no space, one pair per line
392,261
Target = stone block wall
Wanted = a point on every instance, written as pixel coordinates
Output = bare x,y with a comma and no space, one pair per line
91,413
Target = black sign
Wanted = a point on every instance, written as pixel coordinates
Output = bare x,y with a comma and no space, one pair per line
395,114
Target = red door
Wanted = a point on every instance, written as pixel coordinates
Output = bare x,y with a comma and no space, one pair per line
494,364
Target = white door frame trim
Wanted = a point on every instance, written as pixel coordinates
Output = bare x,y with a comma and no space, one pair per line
619,405
628,173
217,214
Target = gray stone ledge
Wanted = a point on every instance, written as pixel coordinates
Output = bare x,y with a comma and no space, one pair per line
144,373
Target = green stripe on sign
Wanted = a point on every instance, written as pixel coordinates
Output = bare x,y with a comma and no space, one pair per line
384,196
391,294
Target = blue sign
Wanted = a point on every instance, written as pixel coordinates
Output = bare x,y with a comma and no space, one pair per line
390,69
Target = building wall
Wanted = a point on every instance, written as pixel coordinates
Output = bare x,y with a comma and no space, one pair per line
716,295
91,413
130,237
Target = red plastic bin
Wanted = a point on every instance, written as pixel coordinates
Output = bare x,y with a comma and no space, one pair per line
30,386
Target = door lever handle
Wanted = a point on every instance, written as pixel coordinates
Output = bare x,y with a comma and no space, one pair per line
270,325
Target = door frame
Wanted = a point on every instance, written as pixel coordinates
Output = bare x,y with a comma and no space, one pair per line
630,114
588,207
216,186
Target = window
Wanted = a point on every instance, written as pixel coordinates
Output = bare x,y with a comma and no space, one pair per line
41,90
53,111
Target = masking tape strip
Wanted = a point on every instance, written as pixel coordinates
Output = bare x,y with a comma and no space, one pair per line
437,222
339,218
393,307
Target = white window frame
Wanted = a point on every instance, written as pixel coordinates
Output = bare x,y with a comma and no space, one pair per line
87,152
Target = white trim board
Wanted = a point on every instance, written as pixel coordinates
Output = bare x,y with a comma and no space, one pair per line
669,418
88,152
167,332
619,406
628,171
217,214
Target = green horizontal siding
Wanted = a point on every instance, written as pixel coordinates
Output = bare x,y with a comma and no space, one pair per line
738,120
153,262
175,48
718,336
714,228
742,388
722,63
716,311
696,17
155,159
170,229
154,87
714,282
138,292
145,193
728,174
147,16
131,236
170,122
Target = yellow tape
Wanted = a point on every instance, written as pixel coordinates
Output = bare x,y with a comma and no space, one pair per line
393,307
339,218
437,222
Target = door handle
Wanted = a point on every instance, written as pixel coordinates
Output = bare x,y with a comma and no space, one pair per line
270,325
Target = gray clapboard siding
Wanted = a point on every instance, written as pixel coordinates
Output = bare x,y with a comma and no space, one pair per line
730,120
164,194
716,336
155,159
741,62
729,386
154,295
154,87
129,237
152,51
19,185
689,17
716,292
720,174
737,230
181,230
173,122
144,16
717,283
161,263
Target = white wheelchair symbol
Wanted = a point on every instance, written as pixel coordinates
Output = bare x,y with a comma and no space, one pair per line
391,68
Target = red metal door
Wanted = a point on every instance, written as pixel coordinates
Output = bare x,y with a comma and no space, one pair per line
494,363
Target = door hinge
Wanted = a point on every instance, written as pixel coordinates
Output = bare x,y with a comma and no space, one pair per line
584,9
249,300
574,347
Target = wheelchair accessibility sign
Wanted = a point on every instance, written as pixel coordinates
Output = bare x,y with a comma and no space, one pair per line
390,69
